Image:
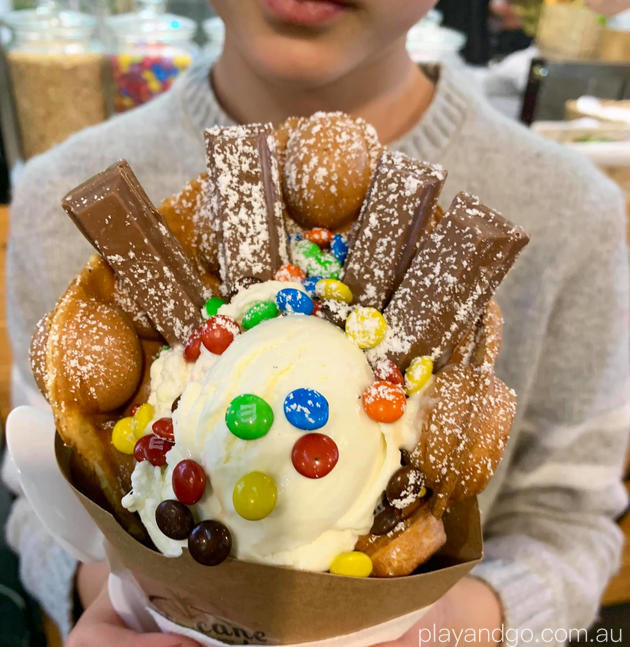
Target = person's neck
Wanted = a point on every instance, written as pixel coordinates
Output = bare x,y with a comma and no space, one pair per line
391,93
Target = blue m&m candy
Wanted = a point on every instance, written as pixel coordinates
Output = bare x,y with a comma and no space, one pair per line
339,248
292,300
306,409
310,283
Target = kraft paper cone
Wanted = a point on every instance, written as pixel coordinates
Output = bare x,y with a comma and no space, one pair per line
247,603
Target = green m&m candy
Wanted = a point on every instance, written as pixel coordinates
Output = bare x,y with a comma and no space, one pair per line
212,306
249,417
258,313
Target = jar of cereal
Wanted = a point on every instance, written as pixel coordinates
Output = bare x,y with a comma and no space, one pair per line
56,71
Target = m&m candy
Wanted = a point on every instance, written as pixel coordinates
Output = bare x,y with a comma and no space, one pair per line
314,455
366,327
124,435
212,306
189,481
258,313
249,417
174,519
387,371
384,402
210,542
339,248
290,272
333,289
321,236
192,349
293,301
152,448
218,333
310,284
255,496
314,261
418,374
163,427
352,564
142,417
306,409
405,486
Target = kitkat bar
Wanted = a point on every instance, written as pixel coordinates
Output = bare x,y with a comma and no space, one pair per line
393,220
451,279
115,214
247,204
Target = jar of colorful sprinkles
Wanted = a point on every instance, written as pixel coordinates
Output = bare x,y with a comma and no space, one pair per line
149,50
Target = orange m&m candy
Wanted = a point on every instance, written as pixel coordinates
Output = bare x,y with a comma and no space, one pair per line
384,401
320,236
290,272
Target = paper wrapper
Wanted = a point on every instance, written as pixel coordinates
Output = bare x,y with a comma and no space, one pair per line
240,602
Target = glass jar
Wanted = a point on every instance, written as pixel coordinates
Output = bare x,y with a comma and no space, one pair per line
56,71
149,50
214,30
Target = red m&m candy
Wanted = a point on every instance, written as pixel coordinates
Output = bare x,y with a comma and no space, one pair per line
164,428
320,236
387,371
189,481
192,350
290,272
314,455
218,333
384,402
153,449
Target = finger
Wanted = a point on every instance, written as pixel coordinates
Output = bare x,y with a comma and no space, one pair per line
97,634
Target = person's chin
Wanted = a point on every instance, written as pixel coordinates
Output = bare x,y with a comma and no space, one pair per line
303,61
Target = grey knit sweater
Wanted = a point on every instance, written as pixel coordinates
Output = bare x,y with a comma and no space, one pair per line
550,540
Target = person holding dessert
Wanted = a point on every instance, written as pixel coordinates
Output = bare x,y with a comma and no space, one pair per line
550,540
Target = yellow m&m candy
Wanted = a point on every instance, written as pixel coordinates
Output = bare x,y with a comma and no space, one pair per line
124,435
418,374
366,327
333,289
353,564
142,417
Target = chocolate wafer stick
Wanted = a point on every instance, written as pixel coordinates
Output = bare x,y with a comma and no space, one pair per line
247,203
115,214
393,220
451,279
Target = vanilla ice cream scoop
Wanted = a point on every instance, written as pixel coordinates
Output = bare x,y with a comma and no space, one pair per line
311,520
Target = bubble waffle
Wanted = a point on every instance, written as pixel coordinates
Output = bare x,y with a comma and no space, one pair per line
234,220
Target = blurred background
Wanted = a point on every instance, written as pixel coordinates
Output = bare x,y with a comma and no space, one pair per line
561,67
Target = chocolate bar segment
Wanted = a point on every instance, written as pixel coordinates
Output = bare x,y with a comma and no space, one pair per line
451,279
247,204
394,218
115,214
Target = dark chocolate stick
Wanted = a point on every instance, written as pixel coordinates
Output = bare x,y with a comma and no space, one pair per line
115,214
451,279
247,203
394,218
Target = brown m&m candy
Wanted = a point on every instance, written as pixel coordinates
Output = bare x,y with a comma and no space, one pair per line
210,542
405,486
174,519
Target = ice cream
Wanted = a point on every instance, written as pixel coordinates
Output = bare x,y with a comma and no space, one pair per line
315,519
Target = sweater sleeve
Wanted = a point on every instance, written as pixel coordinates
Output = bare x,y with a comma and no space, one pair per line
551,540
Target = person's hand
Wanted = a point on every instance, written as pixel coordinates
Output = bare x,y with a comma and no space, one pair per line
608,7
471,605
100,626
